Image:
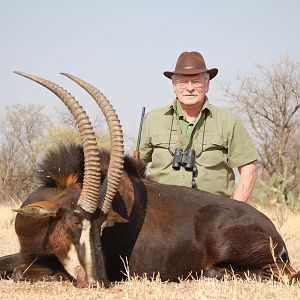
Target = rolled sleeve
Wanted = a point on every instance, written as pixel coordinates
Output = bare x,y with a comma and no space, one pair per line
241,150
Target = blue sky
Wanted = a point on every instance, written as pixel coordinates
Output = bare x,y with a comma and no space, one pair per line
123,47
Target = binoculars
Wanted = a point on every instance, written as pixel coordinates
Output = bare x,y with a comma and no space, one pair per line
185,159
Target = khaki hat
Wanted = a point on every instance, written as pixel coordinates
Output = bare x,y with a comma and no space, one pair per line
190,63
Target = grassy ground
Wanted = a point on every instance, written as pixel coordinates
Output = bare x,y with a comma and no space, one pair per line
286,222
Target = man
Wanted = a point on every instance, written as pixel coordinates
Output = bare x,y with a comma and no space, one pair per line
194,143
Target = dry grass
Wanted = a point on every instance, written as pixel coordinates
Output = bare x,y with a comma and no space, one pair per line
287,223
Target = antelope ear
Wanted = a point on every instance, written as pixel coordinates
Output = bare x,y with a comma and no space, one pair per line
41,209
113,218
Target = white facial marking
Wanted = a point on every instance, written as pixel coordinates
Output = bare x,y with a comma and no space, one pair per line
85,244
72,264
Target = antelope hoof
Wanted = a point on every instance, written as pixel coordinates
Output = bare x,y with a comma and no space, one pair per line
17,274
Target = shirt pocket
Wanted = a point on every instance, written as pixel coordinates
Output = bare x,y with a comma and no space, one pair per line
165,140
162,143
212,153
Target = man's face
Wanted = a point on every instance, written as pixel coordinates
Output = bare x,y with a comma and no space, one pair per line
191,89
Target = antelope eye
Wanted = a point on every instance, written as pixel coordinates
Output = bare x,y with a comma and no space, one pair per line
77,221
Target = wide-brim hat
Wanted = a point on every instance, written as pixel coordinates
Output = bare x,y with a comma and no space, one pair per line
191,63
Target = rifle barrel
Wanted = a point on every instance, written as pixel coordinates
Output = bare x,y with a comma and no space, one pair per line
140,129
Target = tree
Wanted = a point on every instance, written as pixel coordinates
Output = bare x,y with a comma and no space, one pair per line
269,103
26,133
66,130
22,129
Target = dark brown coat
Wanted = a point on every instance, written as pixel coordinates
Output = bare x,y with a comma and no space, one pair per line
169,230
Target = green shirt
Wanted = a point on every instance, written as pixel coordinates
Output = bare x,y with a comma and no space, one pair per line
186,127
220,141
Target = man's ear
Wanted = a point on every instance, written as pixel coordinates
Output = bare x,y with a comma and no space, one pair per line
207,87
41,209
174,90
173,84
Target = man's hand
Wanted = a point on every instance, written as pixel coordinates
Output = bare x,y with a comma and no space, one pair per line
136,154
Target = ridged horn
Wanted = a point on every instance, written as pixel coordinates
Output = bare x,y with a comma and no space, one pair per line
92,167
115,168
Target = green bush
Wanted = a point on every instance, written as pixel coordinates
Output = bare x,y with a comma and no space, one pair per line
275,191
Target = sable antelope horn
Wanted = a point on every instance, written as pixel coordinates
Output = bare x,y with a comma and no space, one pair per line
92,166
115,168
